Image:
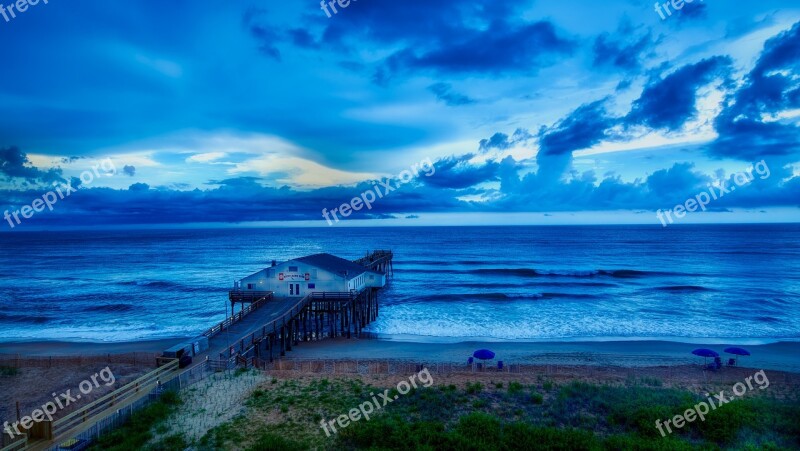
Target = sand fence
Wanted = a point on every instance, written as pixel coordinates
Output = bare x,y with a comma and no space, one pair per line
143,359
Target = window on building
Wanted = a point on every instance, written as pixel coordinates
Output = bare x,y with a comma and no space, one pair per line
311,286
293,269
249,286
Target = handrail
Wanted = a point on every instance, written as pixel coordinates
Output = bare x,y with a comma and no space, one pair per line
305,299
251,338
19,444
228,322
115,396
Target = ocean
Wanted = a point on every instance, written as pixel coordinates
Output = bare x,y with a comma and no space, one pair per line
688,282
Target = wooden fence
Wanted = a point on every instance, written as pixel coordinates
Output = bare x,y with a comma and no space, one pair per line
145,359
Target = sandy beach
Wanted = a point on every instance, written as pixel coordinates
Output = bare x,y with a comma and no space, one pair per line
782,356
69,348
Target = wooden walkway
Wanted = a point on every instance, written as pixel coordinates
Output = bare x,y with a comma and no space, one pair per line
47,434
264,328
274,325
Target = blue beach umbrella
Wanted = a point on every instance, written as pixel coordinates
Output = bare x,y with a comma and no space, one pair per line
483,354
737,351
704,353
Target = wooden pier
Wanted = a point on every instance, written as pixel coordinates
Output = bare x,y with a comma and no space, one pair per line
270,326
266,327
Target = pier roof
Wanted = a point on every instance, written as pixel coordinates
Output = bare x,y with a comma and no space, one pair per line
334,264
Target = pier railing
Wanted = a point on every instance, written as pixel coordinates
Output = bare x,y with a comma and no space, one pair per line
245,344
121,396
262,296
374,257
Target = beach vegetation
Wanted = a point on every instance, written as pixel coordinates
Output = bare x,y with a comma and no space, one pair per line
140,431
515,388
572,415
8,371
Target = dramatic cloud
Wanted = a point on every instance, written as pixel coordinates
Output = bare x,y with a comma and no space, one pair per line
14,164
281,112
583,128
503,48
623,49
667,103
751,126
449,38
458,173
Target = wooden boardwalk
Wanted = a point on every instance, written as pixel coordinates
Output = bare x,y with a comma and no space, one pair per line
267,327
274,325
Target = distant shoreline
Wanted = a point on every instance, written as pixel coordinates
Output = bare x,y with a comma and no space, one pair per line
783,356
67,348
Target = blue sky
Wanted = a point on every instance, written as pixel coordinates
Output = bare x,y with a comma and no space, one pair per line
531,111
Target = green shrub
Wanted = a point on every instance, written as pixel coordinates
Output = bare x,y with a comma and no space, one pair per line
479,429
521,436
639,443
269,441
8,371
514,388
137,431
723,424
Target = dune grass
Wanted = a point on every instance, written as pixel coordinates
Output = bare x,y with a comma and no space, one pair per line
142,428
576,416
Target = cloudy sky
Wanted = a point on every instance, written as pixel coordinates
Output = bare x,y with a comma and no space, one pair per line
530,111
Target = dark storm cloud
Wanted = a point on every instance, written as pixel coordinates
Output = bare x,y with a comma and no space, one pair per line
583,128
693,11
625,49
14,164
668,102
771,87
450,38
501,141
458,173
